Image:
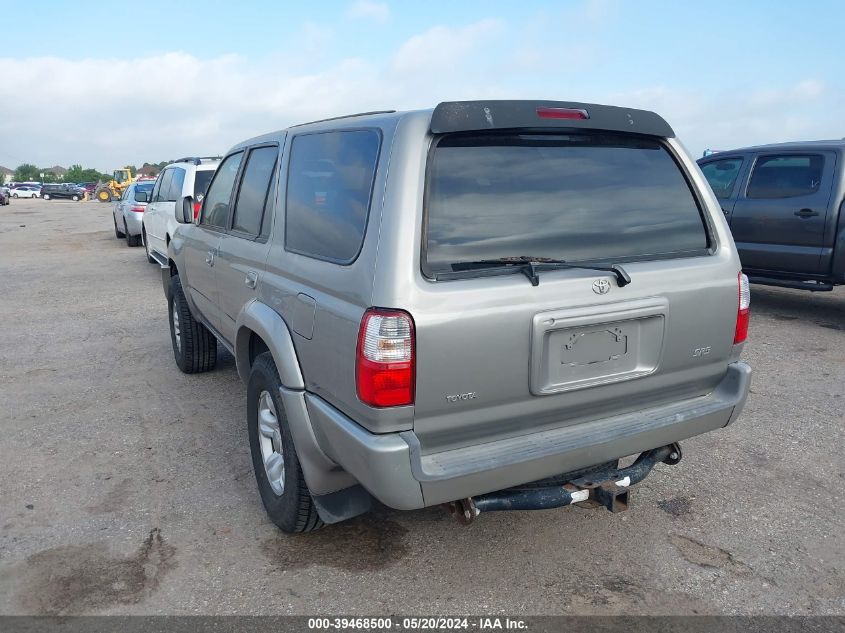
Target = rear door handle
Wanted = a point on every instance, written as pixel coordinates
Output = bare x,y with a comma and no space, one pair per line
251,279
806,213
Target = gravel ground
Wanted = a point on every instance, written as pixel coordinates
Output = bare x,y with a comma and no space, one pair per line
126,486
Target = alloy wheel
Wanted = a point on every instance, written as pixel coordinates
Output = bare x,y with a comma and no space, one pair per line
177,331
270,440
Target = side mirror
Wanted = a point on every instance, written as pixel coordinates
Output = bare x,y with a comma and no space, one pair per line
185,211
141,196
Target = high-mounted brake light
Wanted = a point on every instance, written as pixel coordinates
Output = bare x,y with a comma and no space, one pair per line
562,113
743,312
385,358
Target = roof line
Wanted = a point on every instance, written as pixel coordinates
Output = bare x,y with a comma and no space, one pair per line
345,116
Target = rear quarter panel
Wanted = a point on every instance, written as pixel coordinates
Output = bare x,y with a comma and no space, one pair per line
292,283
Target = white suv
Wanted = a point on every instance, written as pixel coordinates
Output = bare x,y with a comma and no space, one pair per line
183,177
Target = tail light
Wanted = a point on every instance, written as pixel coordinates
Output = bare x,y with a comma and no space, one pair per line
137,209
743,312
385,358
197,207
563,113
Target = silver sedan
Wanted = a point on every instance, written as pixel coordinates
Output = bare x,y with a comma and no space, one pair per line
128,212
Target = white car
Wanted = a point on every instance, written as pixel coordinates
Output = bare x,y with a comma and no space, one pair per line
26,191
184,177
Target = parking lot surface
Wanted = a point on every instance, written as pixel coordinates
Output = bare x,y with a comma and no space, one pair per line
126,486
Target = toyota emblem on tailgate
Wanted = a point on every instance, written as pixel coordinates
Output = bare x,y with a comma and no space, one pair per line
601,286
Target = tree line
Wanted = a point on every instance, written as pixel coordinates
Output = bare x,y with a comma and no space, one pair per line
76,173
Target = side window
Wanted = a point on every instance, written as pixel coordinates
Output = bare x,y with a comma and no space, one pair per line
330,182
215,207
201,179
176,182
722,175
252,195
786,176
163,185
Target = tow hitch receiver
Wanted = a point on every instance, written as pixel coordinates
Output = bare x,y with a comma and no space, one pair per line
611,496
609,488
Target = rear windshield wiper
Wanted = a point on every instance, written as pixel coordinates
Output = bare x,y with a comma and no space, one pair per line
531,266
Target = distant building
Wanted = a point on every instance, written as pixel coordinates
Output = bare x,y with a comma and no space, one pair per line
149,170
6,174
57,170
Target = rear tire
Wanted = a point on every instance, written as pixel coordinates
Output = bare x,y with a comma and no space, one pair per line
131,240
46,196
14,195
75,198
194,346
287,499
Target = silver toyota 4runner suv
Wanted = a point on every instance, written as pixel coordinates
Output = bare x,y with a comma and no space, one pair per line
484,305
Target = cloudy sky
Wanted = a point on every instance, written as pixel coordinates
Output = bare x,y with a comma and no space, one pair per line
170,79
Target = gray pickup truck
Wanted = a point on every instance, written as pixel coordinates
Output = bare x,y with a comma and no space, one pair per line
484,305
785,205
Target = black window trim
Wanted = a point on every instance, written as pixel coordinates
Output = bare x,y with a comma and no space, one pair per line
789,152
322,258
212,227
709,228
271,191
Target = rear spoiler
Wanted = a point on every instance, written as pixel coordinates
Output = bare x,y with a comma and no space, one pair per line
465,116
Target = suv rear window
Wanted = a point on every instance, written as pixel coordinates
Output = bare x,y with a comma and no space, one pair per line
201,180
576,197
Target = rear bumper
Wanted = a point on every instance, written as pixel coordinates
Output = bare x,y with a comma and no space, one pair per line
134,222
394,469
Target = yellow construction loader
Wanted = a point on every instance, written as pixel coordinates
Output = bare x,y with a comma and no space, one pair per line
113,189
